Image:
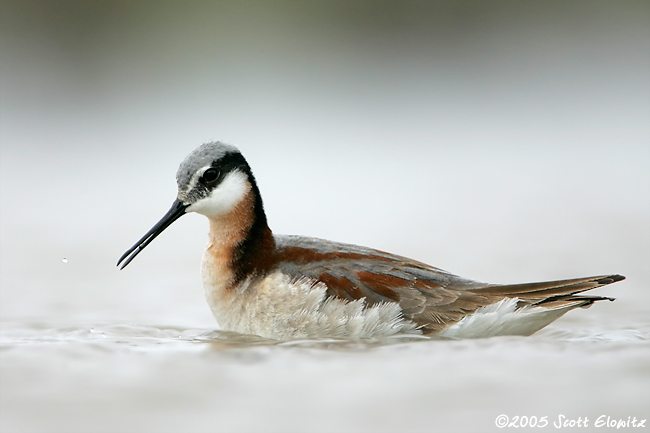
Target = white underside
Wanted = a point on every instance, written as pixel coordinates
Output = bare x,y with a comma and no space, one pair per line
503,318
284,309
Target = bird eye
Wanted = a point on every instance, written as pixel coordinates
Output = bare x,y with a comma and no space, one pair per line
210,175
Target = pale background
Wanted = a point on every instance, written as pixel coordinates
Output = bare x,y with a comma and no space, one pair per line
504,141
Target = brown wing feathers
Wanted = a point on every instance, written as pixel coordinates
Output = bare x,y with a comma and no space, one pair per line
428,296
435,307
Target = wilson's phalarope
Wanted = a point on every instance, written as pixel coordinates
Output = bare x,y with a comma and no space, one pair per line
287,287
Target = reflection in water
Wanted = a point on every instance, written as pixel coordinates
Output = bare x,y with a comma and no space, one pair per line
121,377
17,334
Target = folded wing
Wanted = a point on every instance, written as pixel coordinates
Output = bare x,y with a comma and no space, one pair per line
430,297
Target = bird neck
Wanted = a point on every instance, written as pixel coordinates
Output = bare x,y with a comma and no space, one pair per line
241,240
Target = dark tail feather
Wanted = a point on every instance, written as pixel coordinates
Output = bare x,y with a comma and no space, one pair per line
549,293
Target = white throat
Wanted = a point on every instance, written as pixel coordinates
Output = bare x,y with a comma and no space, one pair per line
224,197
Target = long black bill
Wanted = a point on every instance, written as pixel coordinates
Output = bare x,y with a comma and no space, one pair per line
175,212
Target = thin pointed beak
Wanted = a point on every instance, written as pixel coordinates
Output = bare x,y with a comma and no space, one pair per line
175,212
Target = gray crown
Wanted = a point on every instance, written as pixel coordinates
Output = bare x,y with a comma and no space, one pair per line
201,157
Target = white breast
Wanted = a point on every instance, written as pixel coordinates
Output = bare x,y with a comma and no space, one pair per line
280,308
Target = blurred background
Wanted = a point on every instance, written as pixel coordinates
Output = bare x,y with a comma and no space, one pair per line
504,141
